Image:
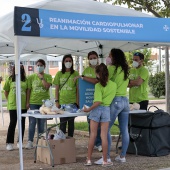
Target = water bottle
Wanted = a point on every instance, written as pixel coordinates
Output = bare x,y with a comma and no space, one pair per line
72,108
68,108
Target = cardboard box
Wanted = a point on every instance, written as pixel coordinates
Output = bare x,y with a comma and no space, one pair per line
63,151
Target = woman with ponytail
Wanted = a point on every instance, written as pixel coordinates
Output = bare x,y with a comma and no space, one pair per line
105,91
119,108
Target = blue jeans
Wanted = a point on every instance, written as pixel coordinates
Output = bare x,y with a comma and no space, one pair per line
99,114
119,108
32,124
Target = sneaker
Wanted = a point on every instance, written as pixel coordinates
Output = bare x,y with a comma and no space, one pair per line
119,159
99,148
29,145
9,147
106,164
18,145
88,163
100,161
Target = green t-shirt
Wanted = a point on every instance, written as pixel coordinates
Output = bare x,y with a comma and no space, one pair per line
67,94
38,91
89,72
118,78
10,87
139,93
106,94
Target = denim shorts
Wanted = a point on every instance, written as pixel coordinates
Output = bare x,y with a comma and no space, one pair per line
100,114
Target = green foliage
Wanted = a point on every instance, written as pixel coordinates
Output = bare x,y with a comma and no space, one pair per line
157,84
159,8
83,126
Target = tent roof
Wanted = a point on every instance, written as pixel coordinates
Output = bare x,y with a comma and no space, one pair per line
30,57
64,46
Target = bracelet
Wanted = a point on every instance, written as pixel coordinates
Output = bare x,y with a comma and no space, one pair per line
56,101
42,78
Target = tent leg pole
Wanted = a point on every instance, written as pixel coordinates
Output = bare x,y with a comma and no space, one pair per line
167,86
18,97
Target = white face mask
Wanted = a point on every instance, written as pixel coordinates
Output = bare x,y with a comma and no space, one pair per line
68,64
93,62
40,69
135,64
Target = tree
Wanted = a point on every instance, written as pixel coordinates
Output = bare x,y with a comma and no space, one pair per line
159,8
157,84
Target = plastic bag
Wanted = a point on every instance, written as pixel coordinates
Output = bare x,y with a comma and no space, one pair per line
72,108
59,134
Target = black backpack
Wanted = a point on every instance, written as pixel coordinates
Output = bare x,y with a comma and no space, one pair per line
150,133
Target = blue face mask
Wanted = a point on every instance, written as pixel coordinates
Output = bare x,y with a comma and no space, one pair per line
40,69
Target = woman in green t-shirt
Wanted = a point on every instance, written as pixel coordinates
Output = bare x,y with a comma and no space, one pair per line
89,75
66,91
99,114
89,72
119,108
38,89
10,94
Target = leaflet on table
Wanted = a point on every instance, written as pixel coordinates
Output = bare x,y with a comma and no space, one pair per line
33,112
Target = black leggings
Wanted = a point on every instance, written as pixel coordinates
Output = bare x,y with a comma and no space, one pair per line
12,125
143,105
63,124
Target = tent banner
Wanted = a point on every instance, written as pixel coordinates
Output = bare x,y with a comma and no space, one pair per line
60,24
86,93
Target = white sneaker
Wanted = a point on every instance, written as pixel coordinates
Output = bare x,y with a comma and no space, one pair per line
29,145
119,159
18,145
100,161
9,147
99,148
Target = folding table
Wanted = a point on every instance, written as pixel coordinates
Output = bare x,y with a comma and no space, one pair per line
37,115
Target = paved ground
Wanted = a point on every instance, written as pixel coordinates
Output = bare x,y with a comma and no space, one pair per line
10,160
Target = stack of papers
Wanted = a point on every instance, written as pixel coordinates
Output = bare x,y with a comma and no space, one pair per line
33,112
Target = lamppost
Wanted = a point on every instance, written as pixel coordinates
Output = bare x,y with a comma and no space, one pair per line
160,58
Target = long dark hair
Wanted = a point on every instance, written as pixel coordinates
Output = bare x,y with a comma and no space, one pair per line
22,72
119,60
103,73
63,70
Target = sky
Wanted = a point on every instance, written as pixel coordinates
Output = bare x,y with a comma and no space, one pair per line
123,5
7,5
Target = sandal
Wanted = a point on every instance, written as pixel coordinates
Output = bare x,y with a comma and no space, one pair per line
106,164
88,163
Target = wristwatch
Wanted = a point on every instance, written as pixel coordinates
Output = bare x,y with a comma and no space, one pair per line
42,78
56,101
